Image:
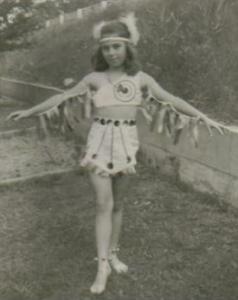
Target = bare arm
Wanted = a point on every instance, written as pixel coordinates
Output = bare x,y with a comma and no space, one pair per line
79,89
159,93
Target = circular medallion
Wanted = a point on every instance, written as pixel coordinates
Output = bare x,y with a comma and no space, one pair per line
124,90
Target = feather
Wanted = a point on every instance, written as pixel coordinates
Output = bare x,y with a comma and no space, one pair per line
97,29
146,115
154,122
167,124
172,118
196,135
181,121
53,112
193,131
43,125
130,21
177,135
161,118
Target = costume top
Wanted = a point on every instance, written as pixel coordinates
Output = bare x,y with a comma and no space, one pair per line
125,91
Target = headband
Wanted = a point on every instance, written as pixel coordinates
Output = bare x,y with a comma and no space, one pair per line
114,38
129,20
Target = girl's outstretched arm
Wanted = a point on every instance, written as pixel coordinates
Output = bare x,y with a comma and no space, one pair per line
78,90
159,93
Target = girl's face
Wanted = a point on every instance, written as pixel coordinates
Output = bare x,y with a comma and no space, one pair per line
114,52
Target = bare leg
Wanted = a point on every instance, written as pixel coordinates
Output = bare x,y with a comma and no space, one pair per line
119,184
104,206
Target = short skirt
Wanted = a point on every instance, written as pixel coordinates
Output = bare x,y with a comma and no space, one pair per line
111,147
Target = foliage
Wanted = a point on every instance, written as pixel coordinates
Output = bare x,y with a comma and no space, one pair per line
189,46
50,9
19,18
71,5
16,19
195,51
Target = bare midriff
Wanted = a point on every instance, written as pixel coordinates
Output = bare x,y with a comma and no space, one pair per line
116,112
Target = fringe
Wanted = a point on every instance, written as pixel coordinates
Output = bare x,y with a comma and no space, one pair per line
92,167
165,119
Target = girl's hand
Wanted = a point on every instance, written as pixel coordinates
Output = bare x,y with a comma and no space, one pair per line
213,124
17,115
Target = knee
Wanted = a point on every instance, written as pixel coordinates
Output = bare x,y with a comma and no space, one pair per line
104,204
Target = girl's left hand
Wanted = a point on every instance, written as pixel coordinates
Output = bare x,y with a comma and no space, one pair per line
213,124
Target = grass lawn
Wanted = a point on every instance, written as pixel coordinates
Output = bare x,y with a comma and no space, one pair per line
179,244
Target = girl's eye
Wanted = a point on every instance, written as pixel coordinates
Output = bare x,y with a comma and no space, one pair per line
105,48
116,46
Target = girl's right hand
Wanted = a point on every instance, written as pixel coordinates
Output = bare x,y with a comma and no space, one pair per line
17,115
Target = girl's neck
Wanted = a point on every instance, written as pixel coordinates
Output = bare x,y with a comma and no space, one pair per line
113,75
118,70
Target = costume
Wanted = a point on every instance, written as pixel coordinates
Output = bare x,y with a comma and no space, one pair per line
111,147
112,144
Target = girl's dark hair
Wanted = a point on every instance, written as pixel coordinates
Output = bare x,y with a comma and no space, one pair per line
131,63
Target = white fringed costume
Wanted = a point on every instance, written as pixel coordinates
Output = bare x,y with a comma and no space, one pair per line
112,144
111,147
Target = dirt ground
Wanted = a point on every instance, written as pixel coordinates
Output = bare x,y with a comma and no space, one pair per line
26,153
179,245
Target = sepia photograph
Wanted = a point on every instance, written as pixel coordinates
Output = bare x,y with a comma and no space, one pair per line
118,149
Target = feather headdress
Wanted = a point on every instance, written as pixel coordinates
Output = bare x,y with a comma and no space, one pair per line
97,29
128,20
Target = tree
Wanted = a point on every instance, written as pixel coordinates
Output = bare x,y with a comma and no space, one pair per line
71,5
19,18
16,21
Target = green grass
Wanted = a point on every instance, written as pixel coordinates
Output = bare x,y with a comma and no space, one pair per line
179,245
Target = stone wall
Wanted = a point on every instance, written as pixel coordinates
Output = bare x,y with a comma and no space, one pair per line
212,167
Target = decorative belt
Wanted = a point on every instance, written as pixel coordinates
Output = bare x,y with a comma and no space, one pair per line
103,121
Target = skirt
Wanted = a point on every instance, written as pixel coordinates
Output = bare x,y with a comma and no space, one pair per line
111,147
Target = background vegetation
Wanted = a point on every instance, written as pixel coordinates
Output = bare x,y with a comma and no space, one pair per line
19,18
189,46
178,244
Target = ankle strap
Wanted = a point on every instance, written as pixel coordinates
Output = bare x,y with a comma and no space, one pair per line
101,258
115,250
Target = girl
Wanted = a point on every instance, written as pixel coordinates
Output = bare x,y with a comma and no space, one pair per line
116,90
